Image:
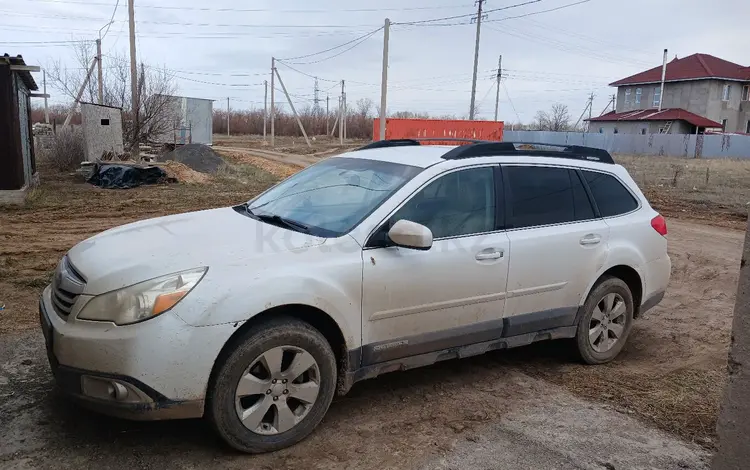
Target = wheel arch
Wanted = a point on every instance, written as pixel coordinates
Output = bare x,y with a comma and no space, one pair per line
313,316
629,276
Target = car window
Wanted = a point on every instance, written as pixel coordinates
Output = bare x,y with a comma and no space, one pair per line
333,196
459,203
545,195
612,198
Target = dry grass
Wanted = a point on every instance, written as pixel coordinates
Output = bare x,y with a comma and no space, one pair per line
693,188
64,211
65,151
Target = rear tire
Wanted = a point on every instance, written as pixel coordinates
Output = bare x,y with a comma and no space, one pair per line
274,388
606,322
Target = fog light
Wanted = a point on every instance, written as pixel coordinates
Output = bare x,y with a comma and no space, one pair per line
112,390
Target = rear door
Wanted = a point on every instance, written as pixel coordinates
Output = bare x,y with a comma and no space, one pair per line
557,243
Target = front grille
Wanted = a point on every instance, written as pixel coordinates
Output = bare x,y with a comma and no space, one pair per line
67,285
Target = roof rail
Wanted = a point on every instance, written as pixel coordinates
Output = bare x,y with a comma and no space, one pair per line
533,149
484,148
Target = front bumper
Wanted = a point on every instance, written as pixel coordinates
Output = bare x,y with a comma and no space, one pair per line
153,370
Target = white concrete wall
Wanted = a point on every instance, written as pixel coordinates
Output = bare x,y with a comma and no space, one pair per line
98,136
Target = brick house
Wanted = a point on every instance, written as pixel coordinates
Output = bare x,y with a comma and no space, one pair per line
700,92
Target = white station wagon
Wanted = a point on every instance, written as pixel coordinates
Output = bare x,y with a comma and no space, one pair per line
394,256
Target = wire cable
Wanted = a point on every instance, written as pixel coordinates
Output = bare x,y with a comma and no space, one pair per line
111,20
468,15
333,48
362,40
511,102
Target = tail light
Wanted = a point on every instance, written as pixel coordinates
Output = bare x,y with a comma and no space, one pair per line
660,225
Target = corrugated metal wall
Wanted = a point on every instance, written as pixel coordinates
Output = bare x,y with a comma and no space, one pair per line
672,145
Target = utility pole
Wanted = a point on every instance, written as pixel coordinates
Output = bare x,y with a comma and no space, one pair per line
80,93
46,108
591,104
663,78
273,114
316,98
476,60
499,76
100,96
294,111
227,116
327,115
265,108
134,81
343,101
384,78
341,115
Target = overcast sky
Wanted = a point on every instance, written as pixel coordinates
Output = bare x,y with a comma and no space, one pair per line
555,57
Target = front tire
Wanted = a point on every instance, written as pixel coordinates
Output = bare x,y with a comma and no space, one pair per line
606,321
274,388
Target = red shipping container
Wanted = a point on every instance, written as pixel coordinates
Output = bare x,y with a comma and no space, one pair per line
437,128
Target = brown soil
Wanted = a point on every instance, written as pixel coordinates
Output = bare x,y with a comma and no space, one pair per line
65,210
671,373
183,173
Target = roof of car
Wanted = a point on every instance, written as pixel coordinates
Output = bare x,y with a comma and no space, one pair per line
420,156
423,156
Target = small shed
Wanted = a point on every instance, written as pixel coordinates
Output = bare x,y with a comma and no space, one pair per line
192,121
102,130
17,163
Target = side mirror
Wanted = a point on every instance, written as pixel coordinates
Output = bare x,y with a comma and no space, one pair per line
410,234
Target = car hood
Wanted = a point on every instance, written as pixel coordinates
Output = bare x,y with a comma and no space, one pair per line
143,250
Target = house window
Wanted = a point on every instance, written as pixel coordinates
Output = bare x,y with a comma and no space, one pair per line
105,122
724,125
747,128
627,96
616,131
643,131
657,96
726,92
601,129
746,93
638,92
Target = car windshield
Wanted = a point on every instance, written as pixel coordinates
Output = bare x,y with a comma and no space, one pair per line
330,198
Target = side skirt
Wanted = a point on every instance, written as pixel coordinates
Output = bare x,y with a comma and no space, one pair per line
412,362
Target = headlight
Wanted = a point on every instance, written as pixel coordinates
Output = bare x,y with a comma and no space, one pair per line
143,300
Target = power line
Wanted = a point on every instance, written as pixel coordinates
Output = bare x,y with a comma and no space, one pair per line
511,102
257,10
539,12
307,74
467,15
333,48
364,38
111,20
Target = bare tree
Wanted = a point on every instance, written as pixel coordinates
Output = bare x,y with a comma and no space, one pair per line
557,119
155,113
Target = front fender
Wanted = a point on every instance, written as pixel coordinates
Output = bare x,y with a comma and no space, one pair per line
242,300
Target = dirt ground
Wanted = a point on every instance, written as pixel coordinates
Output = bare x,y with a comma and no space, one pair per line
671,373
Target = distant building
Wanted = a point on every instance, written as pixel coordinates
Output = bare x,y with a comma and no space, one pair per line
700,92
192,121
17,163
102,131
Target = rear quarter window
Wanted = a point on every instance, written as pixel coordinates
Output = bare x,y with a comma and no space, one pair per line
611,197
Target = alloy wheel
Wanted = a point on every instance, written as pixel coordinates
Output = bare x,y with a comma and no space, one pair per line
607,324
277,390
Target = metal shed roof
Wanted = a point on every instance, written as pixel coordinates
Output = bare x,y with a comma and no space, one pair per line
28,80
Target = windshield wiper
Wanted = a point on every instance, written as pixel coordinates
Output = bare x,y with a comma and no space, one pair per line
278,220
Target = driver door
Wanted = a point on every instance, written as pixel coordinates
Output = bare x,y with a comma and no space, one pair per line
418,301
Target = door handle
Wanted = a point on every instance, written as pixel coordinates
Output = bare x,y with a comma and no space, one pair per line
590,239
490,253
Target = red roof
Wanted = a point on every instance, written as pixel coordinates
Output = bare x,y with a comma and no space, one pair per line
690,68
653,114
